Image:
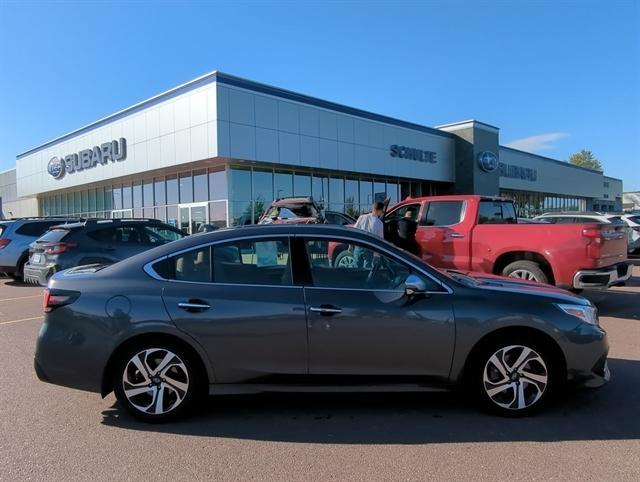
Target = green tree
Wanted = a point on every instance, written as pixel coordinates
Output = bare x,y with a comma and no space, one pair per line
585,158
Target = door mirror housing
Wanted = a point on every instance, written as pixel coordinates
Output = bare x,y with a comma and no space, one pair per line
414,285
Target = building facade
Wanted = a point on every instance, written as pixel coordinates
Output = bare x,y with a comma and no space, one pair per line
220,148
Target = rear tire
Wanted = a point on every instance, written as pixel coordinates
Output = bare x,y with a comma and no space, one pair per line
525,270
157,381
515,376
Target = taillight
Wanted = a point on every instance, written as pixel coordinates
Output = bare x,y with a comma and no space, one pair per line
57,298
4,242
58,248
593,233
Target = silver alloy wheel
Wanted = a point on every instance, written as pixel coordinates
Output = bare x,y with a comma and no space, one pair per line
347,262
523,274
515,377
155,381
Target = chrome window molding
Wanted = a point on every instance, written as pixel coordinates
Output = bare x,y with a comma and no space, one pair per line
148,269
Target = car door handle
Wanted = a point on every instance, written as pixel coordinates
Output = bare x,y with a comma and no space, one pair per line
456,235
194,305
325,310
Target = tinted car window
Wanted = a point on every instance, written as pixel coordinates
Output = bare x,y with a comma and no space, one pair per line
371,269
54,236
36,229
496,212
194,266
160,234
119,234
264,262
443,213
338,219
400,212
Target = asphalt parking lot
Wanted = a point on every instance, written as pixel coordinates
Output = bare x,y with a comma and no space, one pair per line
49,432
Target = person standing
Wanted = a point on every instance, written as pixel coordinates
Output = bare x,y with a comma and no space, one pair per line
370,223
407,229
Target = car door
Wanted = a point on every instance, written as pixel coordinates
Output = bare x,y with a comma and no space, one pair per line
442,236
238,300
362,323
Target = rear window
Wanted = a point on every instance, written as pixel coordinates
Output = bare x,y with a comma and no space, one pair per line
36,229
3,227
633,219
54,236
443,213
496,212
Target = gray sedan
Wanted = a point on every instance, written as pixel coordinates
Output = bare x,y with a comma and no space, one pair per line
257,309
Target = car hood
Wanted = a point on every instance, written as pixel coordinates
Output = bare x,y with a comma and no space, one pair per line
503,284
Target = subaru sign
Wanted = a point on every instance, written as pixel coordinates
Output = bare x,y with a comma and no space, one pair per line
113,151
488,161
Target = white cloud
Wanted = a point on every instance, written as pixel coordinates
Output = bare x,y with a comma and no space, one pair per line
541,142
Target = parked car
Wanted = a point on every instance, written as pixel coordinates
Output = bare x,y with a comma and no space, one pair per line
592,217
482,234
293,210
220,313
633,221
15,237
339,219
94,241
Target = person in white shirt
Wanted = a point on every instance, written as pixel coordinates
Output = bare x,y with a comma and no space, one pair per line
372,224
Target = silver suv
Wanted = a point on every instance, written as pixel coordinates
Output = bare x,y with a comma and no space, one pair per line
15,237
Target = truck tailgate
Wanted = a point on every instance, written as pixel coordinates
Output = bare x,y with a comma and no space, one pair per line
608,243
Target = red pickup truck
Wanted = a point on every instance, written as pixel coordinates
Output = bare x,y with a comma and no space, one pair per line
482,234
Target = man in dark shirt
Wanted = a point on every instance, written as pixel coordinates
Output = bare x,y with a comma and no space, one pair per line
407,228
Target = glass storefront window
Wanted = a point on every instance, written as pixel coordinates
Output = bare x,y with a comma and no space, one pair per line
301,185
108,198
336,194
240,213
77,203
172,190
379,191
137,195
100,199
366,193
240,184
126,197
186,188
319,188
283,184
200,187
159,192
352,197
161,214
84,201
263,186
92,200
392,193
147,193
172,214
217,185
218,213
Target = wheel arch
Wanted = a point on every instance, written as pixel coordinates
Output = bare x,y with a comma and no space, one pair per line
509,257
513,331
203,367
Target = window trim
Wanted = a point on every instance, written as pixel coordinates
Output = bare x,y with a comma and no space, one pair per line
148,269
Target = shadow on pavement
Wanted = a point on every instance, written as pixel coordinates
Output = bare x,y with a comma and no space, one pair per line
609,413
617,303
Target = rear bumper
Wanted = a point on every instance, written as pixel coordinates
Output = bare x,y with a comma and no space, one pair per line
606,277
38,274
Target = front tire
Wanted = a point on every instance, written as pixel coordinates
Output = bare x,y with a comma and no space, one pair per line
525,270
156,382
514,377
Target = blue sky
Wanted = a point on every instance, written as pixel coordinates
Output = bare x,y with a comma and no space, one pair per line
555,76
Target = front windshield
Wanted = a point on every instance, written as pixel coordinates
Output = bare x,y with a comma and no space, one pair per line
293,211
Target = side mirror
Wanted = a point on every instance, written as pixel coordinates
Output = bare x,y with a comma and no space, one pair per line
414,285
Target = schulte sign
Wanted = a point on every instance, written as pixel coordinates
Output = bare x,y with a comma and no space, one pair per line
113,151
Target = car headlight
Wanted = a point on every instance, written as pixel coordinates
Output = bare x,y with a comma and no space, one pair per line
588,314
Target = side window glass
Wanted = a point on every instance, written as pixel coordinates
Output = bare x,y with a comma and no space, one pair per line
496,212
443,213
263,262
106,235
400,212
335,264
194,266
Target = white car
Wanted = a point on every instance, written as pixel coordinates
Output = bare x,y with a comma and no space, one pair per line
633,221
633,230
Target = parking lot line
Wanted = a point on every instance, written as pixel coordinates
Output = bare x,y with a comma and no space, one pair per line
22,319
22,298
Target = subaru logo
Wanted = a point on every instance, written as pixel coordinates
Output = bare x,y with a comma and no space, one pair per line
56,167
487,161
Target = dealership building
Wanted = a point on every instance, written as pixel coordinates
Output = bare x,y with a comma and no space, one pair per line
219,148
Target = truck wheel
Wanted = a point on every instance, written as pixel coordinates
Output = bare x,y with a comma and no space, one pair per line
526,270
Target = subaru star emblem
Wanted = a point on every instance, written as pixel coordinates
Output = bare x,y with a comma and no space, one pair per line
487,161
56,167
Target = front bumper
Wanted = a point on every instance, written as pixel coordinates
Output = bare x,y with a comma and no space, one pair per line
38,274
606,277
586,356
